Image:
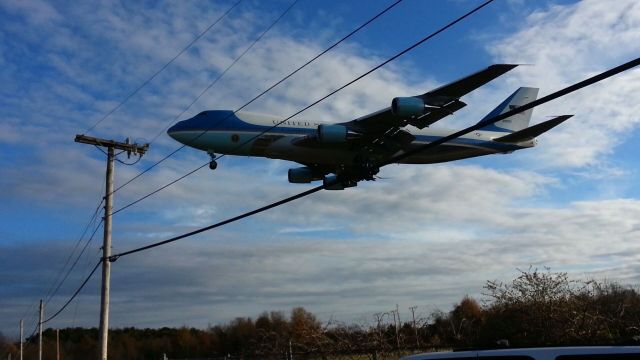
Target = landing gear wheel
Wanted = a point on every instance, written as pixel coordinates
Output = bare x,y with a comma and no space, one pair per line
213,164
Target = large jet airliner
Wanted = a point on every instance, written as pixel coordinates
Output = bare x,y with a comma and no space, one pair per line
342,154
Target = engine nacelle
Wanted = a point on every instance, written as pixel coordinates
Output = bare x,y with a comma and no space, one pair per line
407,106
303,175
331,133
331,182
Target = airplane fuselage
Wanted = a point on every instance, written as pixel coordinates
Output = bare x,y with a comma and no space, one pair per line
249,134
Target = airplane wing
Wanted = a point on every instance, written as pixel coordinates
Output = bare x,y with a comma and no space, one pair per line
383,128
437,104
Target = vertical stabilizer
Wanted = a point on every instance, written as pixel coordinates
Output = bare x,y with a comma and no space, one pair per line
518,121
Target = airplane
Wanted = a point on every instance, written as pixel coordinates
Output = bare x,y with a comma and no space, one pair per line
342,154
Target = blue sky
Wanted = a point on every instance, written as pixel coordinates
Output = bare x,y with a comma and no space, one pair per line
426,235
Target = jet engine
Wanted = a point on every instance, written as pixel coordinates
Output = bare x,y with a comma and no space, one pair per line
331,133
303,175
407,106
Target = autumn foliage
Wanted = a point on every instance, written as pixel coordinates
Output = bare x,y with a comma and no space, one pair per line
537,308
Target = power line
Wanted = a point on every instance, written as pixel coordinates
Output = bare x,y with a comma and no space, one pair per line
228,68
75,294
189,106
163,67
86,267
416,44
565,91
569,89
118,160
49,295
75,247
423,40
160,189
84,248
115,257
221,223
264,92
70,299
56,278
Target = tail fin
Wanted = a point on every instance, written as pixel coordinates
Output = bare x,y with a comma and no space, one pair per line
518,121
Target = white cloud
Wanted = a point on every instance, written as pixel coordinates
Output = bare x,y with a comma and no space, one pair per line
431,233
279,271
35,11
569,43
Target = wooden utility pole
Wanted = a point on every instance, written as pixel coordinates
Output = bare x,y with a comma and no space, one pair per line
40,330
106,243
57,344
415,329
397,326
21,336
290,351
106,253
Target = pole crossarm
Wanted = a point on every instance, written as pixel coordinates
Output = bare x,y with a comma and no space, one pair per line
133,148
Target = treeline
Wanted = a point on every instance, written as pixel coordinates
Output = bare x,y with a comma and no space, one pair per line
538,308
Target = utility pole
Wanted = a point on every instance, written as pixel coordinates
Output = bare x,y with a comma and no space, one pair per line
40,330
290,351
57,344
21,336
397,326
415,329
106,252
108,209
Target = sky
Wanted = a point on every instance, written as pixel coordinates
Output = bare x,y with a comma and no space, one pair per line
422,235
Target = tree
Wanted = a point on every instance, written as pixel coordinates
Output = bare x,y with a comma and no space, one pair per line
466,319
545,308
7,347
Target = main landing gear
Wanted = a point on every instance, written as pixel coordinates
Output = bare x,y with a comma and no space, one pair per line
213,164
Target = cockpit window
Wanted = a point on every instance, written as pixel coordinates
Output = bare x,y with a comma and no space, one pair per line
202,113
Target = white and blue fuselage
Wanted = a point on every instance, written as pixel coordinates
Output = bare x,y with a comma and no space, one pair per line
249,134
355,150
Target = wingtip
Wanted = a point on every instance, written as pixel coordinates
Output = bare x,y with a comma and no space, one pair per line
564,117
502,68
517,64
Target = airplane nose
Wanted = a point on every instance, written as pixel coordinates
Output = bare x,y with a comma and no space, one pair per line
178,131
179,126
172,130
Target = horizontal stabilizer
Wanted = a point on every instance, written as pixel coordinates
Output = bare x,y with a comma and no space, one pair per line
533,131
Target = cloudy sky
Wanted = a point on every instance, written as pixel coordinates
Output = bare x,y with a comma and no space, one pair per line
423,236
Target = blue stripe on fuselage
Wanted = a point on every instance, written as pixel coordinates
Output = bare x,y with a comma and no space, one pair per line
227,121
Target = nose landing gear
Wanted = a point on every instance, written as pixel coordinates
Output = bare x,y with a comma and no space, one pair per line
213,164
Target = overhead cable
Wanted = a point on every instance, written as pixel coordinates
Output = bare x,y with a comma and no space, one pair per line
75,247
84,248
75,293
416,44
565,91
163,67
221,223
569,89
227,69
261,94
